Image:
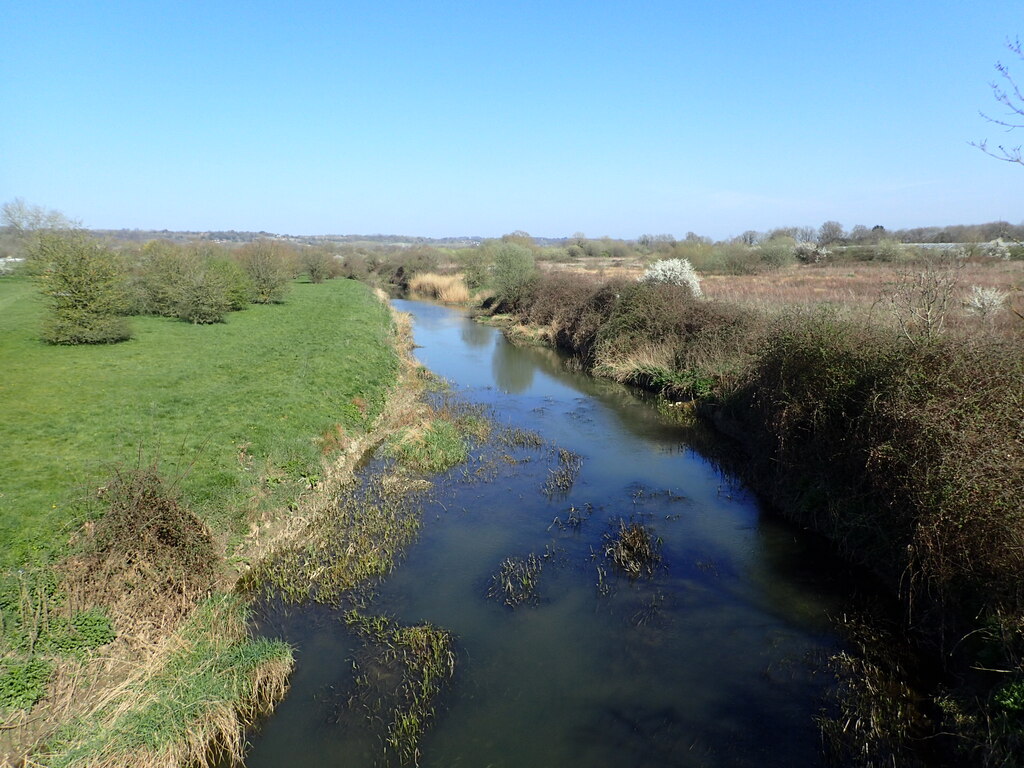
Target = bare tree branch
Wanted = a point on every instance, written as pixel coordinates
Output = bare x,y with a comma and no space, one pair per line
1010,95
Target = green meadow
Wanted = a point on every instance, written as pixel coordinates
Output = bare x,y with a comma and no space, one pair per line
231,412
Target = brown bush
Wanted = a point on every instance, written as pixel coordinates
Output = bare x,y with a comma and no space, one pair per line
148,557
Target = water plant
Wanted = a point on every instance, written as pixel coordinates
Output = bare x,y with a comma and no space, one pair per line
515,582
400,674
561,479
358,539
632,548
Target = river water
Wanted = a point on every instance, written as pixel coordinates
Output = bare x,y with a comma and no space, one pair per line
714,660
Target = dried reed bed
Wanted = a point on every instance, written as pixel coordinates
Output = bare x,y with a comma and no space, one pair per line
447,289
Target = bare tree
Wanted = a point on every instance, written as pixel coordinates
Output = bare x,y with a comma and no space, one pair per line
1007,93
23,219
919,301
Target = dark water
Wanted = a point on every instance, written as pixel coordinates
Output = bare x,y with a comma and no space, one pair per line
713,661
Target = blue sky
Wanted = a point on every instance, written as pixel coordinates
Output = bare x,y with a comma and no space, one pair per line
479,118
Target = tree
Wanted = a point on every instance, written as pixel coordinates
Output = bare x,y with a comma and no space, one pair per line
23,219
1007,93
513,272
319,264
830,232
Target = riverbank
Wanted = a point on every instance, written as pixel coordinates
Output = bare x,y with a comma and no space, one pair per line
122,641
905,452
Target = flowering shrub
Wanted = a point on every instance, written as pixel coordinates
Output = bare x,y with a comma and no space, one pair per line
674,272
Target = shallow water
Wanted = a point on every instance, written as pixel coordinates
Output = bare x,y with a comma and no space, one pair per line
715,660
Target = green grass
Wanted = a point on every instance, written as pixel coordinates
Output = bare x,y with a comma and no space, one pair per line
190,697
217,406
438,447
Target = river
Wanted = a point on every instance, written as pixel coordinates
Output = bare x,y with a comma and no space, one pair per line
714,660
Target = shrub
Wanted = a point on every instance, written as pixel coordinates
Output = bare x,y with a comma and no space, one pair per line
202,296
86,286
777,252
319,264
985,302
514,271
677,272
163,266
268,266
810,252
475,267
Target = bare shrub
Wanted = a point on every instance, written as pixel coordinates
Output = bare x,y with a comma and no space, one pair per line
920,300
148,557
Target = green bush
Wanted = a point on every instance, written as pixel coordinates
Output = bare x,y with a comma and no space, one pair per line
162,268
514,271
268,265
86,286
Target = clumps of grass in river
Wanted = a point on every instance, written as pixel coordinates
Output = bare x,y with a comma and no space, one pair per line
514,437
359,540
198,689
574,518
516,580
633,549
874,716
400,674
561,479
434,448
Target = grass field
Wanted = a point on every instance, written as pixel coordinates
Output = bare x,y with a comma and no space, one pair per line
232,411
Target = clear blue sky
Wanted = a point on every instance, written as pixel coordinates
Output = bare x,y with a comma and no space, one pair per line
479,117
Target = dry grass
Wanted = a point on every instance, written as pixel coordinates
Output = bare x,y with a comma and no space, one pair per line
447,289
186,704
624,367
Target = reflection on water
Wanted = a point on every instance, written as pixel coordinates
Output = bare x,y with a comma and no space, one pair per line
713,661
511,376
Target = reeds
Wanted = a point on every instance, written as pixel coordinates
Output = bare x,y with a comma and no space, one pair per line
561,479
632,549
447,289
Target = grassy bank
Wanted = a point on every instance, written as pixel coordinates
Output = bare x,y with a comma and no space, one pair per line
231,411
136,474
905,450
